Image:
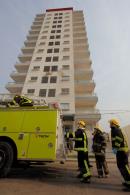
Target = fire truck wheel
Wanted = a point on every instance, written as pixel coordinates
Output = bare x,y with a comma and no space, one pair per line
6,158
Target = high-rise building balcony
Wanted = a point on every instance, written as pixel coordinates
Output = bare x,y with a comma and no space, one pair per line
40,15
25,57
91,116
18,76
13,87
83,86
27,50
22,67
82,62
37,22
34,32
36,27
82,100
32,37
83,74
79,35
30,43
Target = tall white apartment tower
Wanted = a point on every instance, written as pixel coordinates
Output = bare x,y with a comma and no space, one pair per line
55,65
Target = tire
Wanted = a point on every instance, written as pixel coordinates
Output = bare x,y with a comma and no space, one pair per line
6,158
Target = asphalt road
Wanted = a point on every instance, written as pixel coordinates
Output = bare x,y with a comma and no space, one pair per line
59,179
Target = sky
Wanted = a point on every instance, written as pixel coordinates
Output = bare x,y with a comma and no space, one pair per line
108,31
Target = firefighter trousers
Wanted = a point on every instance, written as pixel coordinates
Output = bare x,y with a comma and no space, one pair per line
83,164
101,164
123,166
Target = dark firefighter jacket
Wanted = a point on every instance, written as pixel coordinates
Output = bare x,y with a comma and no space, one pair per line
99,143
23,101
118,139
81,141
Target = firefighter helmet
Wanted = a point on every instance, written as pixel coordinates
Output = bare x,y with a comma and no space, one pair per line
82,123
97,127
114,122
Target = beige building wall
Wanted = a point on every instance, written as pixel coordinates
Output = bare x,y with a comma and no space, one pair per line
126,131
55,65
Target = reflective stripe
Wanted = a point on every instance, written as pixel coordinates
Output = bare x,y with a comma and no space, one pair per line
87,169
81,149
117,144
128,182
117,138
127,169
78,139
85,145
125,149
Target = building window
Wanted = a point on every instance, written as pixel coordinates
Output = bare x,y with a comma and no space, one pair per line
65,78
42,43
50,43
36,68
52,37
65,106
60,13
42,92
48,59
66,57
65,67
65,91
46,68
44,79
53,31
58,26
56,14
40,50
57,43
55,58
56,50
66,42
58,36
43,37
67,30
60,18
44,32
51,92
34,78
60,21
38,59
54,68
55,18
54,22
66,49
53,79
58,31
30,91
65,36
54,26
49,51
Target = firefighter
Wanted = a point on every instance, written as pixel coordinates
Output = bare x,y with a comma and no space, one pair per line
120,149
20,101
99,147
81,146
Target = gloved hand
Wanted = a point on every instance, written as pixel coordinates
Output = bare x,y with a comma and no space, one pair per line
114,150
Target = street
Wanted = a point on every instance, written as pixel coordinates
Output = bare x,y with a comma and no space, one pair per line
59,179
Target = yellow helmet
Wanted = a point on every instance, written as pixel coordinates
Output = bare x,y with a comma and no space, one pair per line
82,123
97,127
114,122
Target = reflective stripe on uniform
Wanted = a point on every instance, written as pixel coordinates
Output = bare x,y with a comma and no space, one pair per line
117,144
78,139
87,169
128,182
81,149
85,144
127,169
125,149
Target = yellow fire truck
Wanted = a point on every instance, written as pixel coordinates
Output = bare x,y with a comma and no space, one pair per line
32,134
